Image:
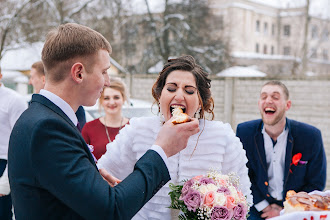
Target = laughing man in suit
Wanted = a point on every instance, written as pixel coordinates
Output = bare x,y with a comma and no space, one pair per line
52,173
271,144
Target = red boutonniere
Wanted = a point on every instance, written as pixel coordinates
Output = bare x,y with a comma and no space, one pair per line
296,160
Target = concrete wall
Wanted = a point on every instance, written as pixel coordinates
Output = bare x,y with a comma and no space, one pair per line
236,100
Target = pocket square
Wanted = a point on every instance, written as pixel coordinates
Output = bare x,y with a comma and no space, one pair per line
302,162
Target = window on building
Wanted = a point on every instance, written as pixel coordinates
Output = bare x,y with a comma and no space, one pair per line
265,28
257,26
314,32
325,54
325,35
265,49
314,53
273,29
257,48
287,30
218,22
286,50
272,50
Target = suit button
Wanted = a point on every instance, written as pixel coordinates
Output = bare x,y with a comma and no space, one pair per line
268,195
266,183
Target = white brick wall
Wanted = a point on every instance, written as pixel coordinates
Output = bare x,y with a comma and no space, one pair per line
310,101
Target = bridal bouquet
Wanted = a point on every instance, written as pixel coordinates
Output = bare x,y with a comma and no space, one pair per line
213,196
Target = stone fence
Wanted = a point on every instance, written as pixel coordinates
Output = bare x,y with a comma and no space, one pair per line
236,100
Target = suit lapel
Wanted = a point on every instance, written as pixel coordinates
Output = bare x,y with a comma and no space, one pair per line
259,144
288,154
46,102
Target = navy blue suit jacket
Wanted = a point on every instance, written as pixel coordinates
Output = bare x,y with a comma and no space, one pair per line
302,138
52,173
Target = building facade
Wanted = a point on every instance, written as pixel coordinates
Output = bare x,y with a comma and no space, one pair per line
275,39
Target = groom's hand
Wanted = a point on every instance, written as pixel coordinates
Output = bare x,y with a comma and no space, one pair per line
174,138
112,181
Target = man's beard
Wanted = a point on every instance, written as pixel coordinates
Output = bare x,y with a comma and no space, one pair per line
274,121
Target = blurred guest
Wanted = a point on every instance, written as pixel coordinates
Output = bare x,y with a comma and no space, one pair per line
11,107
103,130
283,154
37,80
37,76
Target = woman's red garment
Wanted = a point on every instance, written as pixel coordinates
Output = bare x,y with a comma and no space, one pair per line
94,134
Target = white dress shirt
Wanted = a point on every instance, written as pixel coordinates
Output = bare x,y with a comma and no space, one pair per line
275,158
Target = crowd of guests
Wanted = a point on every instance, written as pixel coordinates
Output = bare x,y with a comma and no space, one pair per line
119,168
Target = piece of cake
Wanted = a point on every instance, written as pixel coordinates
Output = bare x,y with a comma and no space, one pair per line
302,201
179,116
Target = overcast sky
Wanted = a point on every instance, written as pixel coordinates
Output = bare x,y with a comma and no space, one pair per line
318,7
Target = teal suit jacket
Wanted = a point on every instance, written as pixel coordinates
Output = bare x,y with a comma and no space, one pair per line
52,173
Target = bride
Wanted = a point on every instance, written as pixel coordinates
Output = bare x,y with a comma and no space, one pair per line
182,83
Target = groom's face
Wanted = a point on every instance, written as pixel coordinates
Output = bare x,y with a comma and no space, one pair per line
273,104
95,78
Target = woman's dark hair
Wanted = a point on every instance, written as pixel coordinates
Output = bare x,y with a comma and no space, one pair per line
187,63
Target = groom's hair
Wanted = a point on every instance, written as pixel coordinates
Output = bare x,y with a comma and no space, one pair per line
70,43
280,84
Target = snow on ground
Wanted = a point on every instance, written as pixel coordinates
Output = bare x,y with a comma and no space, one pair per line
241,71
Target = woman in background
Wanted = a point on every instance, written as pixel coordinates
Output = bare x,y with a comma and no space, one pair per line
184,84
103,130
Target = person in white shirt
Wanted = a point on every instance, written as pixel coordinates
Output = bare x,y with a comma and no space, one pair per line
283,154
12,104
182,83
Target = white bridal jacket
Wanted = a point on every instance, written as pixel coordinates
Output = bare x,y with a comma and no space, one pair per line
218,148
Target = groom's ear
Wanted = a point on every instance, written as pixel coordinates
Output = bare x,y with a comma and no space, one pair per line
77,72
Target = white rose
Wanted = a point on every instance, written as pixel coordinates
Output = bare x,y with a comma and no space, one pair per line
203,189
212,187
233,192
220,199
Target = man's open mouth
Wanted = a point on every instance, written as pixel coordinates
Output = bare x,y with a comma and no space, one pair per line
269,110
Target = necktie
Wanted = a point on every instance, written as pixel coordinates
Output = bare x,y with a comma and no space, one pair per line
78,126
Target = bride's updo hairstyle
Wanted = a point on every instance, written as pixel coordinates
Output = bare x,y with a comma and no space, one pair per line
187,63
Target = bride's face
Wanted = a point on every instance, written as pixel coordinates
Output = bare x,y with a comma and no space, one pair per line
180,90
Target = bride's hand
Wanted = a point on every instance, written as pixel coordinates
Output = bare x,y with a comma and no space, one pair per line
112,181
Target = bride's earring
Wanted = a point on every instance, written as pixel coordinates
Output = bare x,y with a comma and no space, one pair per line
161,119
161,116
197,113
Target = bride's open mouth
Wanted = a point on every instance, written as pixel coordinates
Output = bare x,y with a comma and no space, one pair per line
172,107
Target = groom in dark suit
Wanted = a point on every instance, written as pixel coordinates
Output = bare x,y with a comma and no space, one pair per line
282,154
52,173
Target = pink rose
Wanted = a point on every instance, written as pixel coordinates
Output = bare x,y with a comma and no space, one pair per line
230,202
222,182
197,177
240,195
209,198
